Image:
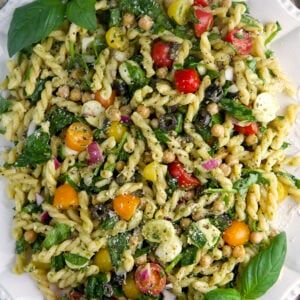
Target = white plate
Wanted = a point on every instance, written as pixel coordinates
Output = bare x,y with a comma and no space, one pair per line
287,47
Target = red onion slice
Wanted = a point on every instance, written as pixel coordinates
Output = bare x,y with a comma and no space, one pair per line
45,217
211,164
39,199
125,119
95,153
56,163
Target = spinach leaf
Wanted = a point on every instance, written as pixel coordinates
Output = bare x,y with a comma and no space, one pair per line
36,150
4,105
58,262
33,22
237,110
116,246
37,245
109,222
242,185
95,286
161,135
59,119
20,246
75,261
32,208
196,236
36,96
189,256
83,13
223,294
57,235
221,222
263,270
115,17
273,34
137,75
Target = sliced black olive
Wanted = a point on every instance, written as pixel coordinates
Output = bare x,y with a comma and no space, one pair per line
167,122
120,87
214,93
204,118
118,279
99,211
108,290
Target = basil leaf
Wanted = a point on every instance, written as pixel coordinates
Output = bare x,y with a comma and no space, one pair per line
116,246
263,270
59,119
161,136
37,150
83,13
36,96
237,110
32,208
242,185
37,245
95,286
189,256
223,294
57,235
20,246
58,262
33,22
4,105
75,261
109,222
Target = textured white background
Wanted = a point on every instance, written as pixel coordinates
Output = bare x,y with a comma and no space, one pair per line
287,49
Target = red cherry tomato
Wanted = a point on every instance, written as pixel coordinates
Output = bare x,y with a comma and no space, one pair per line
161,54
252,128
185,180
205,21
187,81
241,40
150,279
203,3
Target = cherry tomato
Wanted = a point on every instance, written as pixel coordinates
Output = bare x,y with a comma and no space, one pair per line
106,102
125,206
203,3
241,40
187,81
65,197
237,234
150,279
205,20
161,54
79,136
252,128
185,180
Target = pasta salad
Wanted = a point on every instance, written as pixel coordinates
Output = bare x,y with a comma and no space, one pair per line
147,155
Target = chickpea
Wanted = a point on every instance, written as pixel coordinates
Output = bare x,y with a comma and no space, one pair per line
120,166
76,74
185,223
219,206
256,237
231,160
154,123
239,252
168,157
218,130
197,215
86,97
162,73
189,194
143,111
63,91
30,236
141,260
251,140
225,169
213,108
113,114
128,20
145,23
206,261
125,110
75,95
227,251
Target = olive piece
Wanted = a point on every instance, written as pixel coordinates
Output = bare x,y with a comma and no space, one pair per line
108,290
204,118
120,87
214,93
167,122
118,279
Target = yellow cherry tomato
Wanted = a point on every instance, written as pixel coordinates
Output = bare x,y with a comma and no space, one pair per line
116,130
116,39
103,260
130,289
65,197
179,10
79,136
125,206
237,234
149,172
282,191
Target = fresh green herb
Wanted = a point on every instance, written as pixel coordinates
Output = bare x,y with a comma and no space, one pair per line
196,236
58,262
260,179
33,22
57,235
179,126
36,150
273,34
5,105
77,61
98,45
205,132
263,270
94,288
32,208
172,185
214,36
137,75
36,96
217,119
66,178
213,74
251,63
249,21
237,110
59,119
109,222
20,246
116,246
83,13
139,135
221,222
223,294
38,244
191,62
189,255
269,53
142,251
75,261
161,135
115,17
284,145
177,67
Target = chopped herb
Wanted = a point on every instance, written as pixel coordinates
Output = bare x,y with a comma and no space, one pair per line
179,126
20,246
59,119
269,53
285,145
221,222
172,185
142,251
38,244
5,105
161,135
177,67
116,246
109,222
214,36
95,286
213,74
36,96
32,208
189,256
57,235
58,262
251,63
115,17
